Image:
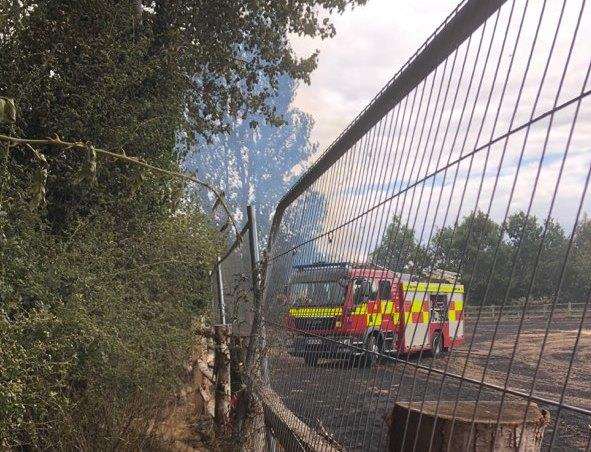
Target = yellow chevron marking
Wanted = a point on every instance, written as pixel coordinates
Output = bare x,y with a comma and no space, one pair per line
432,287
374,319
417,305
360,309
387,307
407,317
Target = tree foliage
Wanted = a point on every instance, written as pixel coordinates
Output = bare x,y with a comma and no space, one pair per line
398,248
497,263
103,267
95,330
131,74
254,164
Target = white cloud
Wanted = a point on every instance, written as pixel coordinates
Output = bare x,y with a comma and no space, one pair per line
372,43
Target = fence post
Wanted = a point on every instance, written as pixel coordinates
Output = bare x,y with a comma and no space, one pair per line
221,334
257,351
253,372
220,290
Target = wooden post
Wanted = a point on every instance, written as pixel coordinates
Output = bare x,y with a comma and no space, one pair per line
485,435
222,378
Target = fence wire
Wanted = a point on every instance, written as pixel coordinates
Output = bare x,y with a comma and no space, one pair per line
236,286
437,258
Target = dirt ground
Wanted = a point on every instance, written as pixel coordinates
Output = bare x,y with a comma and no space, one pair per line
351,404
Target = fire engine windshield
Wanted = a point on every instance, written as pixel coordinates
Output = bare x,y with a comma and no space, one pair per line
317,293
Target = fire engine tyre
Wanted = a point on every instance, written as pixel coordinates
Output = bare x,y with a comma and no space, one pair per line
437,345
311,359
373,343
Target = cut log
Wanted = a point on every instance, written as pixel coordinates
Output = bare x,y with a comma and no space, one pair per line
459,434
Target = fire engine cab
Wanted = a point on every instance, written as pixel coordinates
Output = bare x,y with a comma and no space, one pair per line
346,309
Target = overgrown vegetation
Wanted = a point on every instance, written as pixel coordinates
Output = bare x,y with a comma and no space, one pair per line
95,328
104,266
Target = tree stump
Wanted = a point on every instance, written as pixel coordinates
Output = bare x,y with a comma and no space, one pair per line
486,434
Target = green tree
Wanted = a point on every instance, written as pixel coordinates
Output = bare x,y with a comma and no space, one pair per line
578,277
534,250
257,162
398,249
131,74
524,238
470,248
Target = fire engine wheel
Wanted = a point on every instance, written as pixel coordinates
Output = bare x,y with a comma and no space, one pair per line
374,345
311,359
437,345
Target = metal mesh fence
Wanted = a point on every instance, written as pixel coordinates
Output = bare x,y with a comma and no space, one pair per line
436,260
236,286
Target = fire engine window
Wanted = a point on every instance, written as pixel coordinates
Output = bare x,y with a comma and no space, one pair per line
319,293
362,290
385,290
438,308
438,301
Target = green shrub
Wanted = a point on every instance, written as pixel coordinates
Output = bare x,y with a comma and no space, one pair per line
96,325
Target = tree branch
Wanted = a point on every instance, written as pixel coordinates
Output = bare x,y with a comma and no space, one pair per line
81,146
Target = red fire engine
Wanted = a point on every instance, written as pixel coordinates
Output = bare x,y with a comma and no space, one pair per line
342,309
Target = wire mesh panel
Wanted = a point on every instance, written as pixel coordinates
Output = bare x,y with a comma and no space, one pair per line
430,276
236,283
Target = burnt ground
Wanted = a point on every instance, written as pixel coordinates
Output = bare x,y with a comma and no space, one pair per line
351,403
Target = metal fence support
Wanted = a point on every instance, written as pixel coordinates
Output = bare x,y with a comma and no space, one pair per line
257,343
220,290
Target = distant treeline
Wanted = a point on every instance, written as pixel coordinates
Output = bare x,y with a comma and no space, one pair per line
498,263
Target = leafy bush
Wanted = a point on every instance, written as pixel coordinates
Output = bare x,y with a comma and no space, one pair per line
95,328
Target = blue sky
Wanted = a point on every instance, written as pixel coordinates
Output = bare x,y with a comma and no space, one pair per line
373,41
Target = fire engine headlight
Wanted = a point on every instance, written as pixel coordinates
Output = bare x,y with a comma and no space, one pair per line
338,324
